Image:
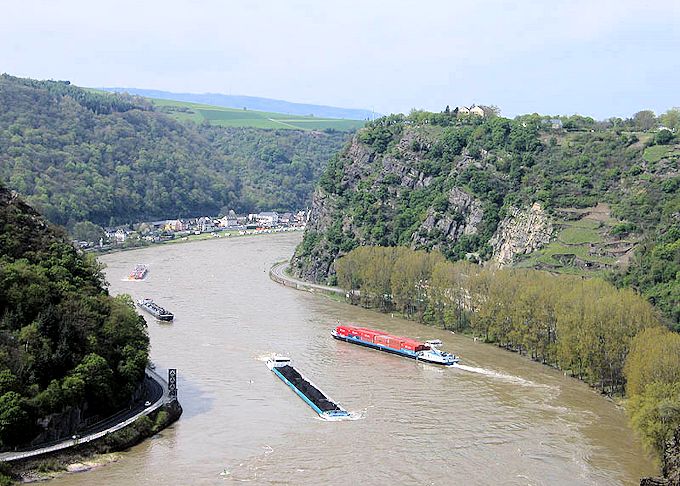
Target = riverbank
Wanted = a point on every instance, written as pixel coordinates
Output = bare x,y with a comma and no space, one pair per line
93,454
232,234
279,273
595,385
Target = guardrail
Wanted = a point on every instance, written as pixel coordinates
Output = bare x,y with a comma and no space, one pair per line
13,456
277,274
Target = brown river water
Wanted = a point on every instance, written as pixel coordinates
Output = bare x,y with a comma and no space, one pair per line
501,420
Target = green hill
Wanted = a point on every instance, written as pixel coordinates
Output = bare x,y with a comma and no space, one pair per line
231,117
587,198
82,155
68,351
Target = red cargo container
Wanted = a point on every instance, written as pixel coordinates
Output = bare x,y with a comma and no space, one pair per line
395,342
381,339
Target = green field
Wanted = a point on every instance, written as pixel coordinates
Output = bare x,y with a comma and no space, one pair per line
575,238
657,152
584,231
231,117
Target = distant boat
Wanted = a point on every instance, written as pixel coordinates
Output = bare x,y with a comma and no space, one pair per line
140,271
155,310
410,348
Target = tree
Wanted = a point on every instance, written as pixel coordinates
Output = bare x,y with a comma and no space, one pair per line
671,119
656,414
14,419
663,137
97,376
87,231
644,120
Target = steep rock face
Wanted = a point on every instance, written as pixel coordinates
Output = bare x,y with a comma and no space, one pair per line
463,217
521,232
364,200
312,260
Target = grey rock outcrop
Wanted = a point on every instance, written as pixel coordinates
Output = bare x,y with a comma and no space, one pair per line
671,465
377,181
463,216
521,232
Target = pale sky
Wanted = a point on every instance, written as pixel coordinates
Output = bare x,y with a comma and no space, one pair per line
594,57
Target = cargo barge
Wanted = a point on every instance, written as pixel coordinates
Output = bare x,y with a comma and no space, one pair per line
305,389
155,310
139,272
428,351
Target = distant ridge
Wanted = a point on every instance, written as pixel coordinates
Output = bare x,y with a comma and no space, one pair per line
252,103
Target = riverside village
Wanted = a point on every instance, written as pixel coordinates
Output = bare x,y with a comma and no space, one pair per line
231,224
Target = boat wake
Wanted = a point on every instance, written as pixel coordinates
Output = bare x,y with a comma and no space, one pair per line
265,357
351,416
496,374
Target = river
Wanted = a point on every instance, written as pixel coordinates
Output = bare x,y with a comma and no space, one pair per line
502,420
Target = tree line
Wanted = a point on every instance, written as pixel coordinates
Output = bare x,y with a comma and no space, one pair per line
606,336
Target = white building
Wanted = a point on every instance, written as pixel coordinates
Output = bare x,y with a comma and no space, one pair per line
121,235
267,218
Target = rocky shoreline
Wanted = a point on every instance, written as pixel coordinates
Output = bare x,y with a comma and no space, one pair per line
671,465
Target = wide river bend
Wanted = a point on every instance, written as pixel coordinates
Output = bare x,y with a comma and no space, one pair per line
503,420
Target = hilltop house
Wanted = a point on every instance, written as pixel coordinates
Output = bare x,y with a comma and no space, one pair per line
556,124
478,110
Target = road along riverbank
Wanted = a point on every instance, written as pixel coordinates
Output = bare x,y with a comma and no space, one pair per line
279,273
153,412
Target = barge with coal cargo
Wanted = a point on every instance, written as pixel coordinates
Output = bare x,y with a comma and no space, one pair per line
305,389
427,352
155,310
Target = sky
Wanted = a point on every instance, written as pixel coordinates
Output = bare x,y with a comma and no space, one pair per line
598,58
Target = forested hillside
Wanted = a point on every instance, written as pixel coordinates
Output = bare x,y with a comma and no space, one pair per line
568,195
66,346
78,155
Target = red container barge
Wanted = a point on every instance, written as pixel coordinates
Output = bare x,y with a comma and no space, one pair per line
410,348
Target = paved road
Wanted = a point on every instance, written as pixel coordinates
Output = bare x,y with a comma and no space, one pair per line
278,274
156,393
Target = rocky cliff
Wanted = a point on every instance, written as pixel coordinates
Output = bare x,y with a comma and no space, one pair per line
394,196
521,232
463,218
500,191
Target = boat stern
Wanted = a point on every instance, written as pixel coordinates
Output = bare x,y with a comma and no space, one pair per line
335,414
278,361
